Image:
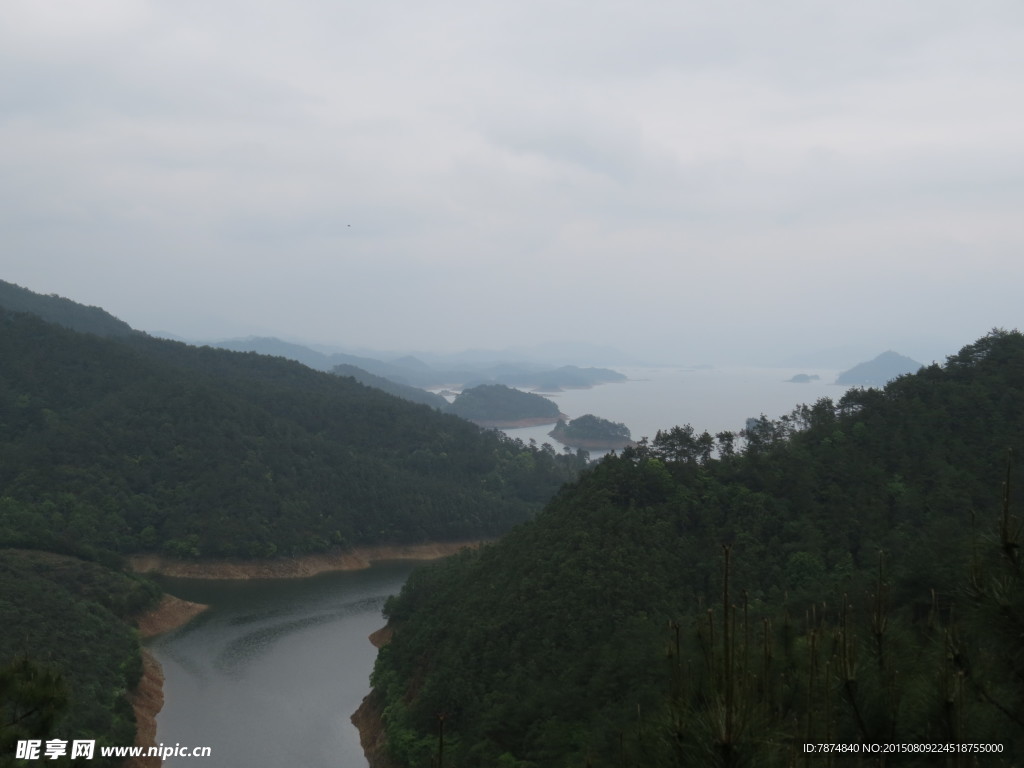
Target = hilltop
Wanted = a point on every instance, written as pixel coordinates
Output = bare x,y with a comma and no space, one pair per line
62,311
879,371
496,405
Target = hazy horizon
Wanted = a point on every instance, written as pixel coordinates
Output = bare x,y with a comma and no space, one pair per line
686,183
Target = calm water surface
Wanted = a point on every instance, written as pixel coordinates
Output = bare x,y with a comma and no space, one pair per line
715,399
271,674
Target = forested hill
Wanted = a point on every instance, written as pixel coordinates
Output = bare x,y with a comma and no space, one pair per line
848,574
65,312
137,443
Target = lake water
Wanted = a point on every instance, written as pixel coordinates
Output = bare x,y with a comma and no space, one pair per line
271,674
712,399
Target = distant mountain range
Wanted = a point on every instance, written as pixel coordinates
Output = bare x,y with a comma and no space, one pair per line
407,377
115,440
411,371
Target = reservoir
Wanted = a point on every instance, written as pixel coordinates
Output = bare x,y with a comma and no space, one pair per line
272,672
712,399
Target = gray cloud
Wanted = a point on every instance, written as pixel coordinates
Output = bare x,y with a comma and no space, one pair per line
727,180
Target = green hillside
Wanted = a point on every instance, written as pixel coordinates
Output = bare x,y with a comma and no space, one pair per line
65,312
114,442
68,653
145,444
403,391
848,573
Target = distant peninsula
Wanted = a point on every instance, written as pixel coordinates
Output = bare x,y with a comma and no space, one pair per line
592,433
566,377
495,405
878,372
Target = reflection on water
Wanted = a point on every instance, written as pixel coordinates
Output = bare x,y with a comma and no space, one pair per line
246,649
271,674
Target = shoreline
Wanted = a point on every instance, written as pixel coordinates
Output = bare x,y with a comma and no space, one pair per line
297,567
593,445
172,612
148,697
147,700
368,717
367,720
535,421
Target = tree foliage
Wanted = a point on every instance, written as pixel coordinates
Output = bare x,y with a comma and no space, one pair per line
496,402
68,653
143,444
848,572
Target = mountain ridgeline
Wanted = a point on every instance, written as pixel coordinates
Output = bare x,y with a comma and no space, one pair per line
848,573
879,371
133,444
113,442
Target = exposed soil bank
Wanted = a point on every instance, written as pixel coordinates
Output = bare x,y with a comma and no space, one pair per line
367,719
537,421
171,613
148,698
147,701
381,637
295,567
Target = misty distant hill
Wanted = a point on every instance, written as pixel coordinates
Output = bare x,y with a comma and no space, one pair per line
320,361
135,444
566,377
57,309
878,372
412,394
837,358
546,354
277,348
411,371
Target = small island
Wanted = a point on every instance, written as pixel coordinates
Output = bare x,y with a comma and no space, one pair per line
592,433
803,378
495,405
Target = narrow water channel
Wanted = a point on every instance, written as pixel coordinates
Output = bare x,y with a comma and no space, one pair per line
271,674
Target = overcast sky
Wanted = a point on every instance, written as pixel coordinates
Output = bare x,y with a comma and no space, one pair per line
692,181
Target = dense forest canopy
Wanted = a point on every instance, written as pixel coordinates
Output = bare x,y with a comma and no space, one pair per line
145,444
849,572
62,311
67,651
114,442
